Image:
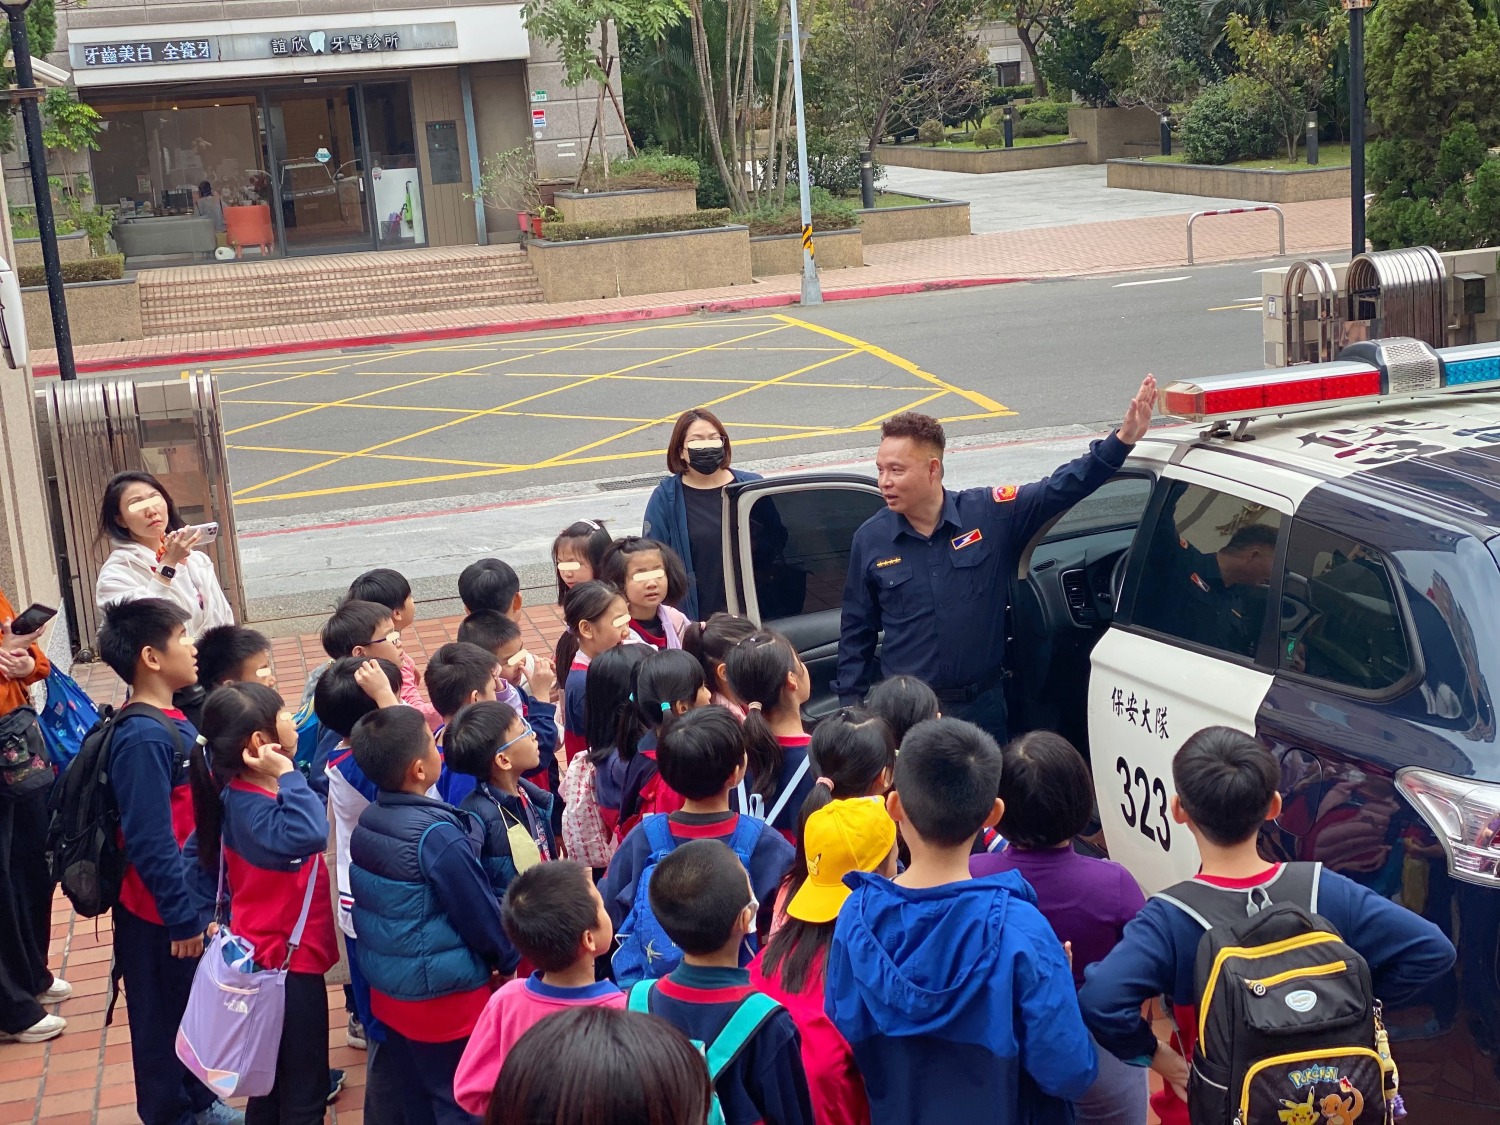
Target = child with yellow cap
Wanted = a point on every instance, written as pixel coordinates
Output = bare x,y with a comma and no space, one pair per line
842,836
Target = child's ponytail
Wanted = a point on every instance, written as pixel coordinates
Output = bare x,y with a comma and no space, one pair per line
757,669
663,680
584,602
232,714
606,698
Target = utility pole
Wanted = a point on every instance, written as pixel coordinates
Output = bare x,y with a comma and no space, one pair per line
1356,10
812,290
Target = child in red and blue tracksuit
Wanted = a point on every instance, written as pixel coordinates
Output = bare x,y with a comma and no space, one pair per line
257,815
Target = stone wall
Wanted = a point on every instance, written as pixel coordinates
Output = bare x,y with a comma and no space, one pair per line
979,161
616,206
1264,185
1106,132
642,263
70,248
99,312
777,254
941,218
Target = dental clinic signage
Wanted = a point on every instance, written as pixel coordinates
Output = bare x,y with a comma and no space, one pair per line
290,44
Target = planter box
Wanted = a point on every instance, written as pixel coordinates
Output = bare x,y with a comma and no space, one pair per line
980,161
1262,185
70,248
613,206
1106,132
939,218
99,312
775,254
641,263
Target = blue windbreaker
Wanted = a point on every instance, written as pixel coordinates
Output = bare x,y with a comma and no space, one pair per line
958,1002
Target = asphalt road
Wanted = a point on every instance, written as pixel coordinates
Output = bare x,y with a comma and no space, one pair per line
339,435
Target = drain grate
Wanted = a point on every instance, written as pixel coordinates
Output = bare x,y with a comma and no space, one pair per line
622,485
368,348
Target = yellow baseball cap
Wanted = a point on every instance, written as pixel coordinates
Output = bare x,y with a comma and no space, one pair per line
842,836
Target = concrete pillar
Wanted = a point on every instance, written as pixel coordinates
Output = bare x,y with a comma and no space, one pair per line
569,113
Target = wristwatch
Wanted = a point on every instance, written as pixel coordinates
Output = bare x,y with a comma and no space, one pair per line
167,572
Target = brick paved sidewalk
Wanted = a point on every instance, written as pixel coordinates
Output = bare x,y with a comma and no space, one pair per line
1088,248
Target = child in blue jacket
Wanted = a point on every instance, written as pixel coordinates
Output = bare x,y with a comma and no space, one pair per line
953,992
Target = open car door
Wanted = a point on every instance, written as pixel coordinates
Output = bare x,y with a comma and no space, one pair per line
786,555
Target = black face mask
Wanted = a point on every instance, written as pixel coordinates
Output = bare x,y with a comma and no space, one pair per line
706,461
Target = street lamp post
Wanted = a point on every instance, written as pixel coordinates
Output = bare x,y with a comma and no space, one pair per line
36,154
1356,10
812,290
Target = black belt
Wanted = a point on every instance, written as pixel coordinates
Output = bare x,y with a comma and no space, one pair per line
971,692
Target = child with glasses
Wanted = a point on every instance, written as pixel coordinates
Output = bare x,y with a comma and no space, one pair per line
389,588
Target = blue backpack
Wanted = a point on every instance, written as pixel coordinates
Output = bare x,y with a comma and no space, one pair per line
69,715
645,951
309,733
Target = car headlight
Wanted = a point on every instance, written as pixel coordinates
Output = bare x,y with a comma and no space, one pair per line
1464,815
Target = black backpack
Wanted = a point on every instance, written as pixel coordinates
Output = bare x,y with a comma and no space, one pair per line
83,838
1288,1028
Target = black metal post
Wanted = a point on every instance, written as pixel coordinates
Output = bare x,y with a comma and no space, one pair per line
1166,135
866,178
1312,137
1357,125
36,154
1008,114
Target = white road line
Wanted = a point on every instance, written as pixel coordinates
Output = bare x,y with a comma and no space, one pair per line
1153,281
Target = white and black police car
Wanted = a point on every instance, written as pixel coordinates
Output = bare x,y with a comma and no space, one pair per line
1315,558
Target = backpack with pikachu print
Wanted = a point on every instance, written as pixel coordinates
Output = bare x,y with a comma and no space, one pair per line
1288,1029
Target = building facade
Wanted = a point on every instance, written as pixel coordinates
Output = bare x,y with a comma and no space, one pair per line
1007,55
286,127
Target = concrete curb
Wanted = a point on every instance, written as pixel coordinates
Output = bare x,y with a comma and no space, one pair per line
574,320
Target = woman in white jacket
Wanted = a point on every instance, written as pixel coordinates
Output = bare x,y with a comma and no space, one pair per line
153,554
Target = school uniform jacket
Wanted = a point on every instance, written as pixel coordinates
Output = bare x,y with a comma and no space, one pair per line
531,808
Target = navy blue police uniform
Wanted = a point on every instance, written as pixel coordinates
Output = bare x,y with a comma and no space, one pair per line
941,599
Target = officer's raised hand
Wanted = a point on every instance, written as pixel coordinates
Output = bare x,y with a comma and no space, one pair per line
1138,413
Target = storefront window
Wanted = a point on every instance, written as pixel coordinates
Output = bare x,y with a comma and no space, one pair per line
391,140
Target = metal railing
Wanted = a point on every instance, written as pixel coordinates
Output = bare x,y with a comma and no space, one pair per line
1196,215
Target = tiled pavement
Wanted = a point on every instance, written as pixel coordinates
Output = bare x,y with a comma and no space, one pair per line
1087,248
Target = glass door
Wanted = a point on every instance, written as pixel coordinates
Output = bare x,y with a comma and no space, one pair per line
316,152
395,184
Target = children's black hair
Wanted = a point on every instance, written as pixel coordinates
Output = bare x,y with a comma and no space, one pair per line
711,640
383,586
1047,790
338,700
589,535
606,697
903,702
546,911
131,627
616,565
602,1066
488,584
794,951
352,625
948,775
387,741
222,651
1226,781
664,678
474,734
455,672
488,628
757,669
587,601
697,892
231,714
110,526
700,753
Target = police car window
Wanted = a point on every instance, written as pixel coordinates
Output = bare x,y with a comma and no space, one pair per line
1341,620
800,543
1119,503
1207,569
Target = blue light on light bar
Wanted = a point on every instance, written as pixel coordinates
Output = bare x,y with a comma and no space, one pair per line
1465,372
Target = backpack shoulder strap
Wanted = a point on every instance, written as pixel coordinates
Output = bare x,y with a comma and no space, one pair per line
791,787
1212,906
640,996
658,835
746,835
748,1018
154,712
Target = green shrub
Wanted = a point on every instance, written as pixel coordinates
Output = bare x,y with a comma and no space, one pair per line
828,213
661,224
930,133
110,268
1231,120
1033,128
648,168
1052,117
988,137
1000,95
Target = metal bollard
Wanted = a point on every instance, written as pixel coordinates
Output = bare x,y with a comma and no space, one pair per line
866,178
1312,137
1009,115
1166,135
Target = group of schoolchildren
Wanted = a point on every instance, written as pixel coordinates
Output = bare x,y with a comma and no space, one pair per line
883,920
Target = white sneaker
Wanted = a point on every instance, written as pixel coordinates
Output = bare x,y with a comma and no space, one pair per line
48,1027
59,992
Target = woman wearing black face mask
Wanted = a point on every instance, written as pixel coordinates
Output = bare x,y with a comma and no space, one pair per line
686,510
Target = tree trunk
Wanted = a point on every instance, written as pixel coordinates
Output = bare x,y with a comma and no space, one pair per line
1029,43
699,35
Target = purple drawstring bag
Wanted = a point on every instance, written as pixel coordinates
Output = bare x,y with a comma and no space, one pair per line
230,1033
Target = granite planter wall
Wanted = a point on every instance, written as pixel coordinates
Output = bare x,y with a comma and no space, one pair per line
980,161
614,206
70,248
775,254
937,218
99,312
641,263
1262,184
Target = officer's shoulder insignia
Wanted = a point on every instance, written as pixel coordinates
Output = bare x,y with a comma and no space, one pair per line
888,562
1183,543
1006,493
1202,585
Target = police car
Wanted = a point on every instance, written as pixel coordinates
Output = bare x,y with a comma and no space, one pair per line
1316,558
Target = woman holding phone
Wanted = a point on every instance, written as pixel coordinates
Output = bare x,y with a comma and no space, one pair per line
154,554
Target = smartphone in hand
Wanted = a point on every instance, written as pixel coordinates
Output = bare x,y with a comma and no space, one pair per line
207,532
33,619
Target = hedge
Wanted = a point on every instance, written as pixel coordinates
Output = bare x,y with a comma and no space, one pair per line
109,268
661,224
1000,95
649,169
1052,117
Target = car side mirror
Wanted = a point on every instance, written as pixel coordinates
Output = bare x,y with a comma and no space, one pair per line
12,319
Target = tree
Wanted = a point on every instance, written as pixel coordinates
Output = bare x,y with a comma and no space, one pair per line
582,31
1294,65
1087,53
1033,20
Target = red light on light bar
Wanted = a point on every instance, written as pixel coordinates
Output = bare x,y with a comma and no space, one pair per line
1190,400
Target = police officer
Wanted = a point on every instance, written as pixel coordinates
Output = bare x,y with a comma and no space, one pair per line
933,569
1210,598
